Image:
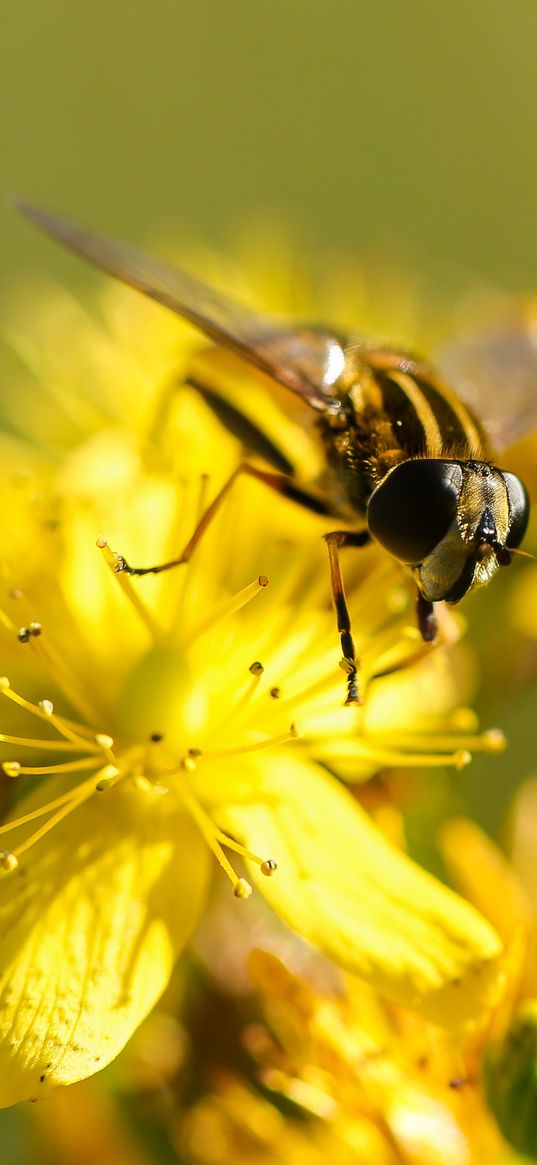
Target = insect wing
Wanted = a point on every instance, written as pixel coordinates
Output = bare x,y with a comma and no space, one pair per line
306,361
495,371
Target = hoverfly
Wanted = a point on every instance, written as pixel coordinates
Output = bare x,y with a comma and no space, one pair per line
408,460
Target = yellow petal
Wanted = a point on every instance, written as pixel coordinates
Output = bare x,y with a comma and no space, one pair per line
358,899
91,923
484,875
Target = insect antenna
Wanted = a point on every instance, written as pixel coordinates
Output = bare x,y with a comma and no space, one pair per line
523,553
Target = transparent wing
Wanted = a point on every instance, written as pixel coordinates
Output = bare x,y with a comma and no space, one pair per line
495,371
307,361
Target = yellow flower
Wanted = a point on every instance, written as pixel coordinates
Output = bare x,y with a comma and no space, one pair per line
506,894
344,1078
151,722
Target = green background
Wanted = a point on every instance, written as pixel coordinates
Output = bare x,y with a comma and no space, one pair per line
406,124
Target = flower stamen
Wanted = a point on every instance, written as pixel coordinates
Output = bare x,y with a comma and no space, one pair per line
8,861
250,688
60,808
105,743
42,745
13,768
304,695
110,777
367,750
272,742
44,710
33,630
77,798
216,838
44,809
112,560
492,740
227,607
63,675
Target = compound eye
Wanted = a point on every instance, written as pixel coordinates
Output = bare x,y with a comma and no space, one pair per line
519,509
412,509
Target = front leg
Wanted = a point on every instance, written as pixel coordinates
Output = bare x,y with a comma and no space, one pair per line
427,621
349,663
275,481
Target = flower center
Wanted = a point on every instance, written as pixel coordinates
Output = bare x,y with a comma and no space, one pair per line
108,770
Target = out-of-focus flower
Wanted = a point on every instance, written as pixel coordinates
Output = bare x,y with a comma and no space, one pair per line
359,1082
507,895
157,721
364,1081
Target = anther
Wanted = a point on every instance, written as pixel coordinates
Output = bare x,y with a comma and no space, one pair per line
263,580
103,740
4,684
494,740
155,737
101,543
104,784
46,706
462,758
269,867
108,777
11,768
25,634
295,731
241,889
8,862
193,753
256,668
275,693
188,764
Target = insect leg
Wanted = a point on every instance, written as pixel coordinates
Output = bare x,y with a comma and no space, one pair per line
276,481
349,663
427,621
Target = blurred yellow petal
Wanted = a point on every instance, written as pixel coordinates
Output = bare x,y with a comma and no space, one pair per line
89,932
485,877
345,889
523,837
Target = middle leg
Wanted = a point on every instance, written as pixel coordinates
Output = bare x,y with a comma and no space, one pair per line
349,664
